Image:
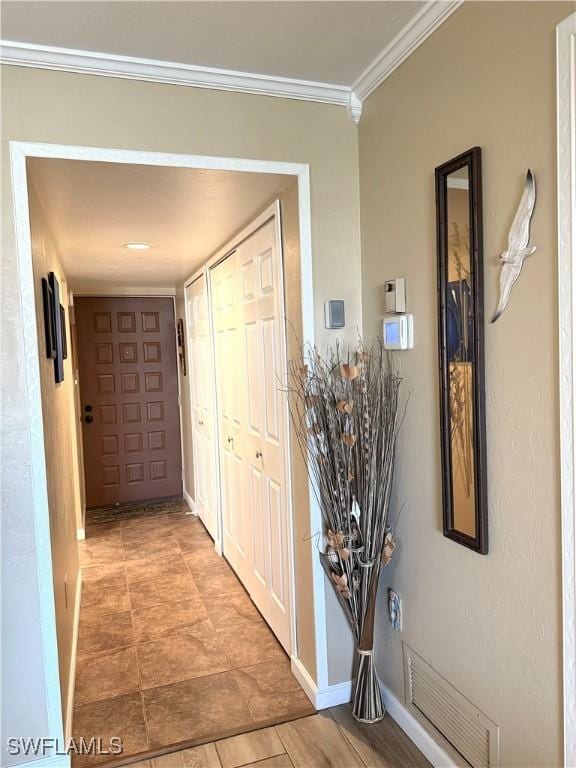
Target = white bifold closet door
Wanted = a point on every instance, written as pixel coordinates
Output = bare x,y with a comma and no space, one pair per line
248,317
202,397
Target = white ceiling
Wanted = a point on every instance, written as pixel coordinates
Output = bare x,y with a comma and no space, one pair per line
330,42
94,208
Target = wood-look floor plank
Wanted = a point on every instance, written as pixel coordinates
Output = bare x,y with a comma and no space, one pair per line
380,745
204,756
318,742
279,761
249,748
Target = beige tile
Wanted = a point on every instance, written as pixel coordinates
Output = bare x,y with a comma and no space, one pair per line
205,562
271,690
249,643
249,747
163,589
201,708
316,742
229,610
155,567
204,756
216,582
101,548
96,635
187,653
144,524
192,539
159,620
142,548
107,675
108,594
102,572
141,764
121,717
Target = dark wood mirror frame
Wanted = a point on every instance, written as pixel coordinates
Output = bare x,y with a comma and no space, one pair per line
470,161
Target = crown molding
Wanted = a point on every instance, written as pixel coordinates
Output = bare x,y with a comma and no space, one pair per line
156,71
432,15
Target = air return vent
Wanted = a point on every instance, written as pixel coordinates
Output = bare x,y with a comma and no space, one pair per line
444,712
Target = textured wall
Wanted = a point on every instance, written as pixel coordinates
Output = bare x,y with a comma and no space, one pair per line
64,108
491,625
59,446
188,457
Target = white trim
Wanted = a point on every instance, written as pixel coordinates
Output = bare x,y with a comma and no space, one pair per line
566,107
272,212
190,501
51,682
406,41
73,656
421,26
173,73
417,734
19,151
105,289
321,698
80,534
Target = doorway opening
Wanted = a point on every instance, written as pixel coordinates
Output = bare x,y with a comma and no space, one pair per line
163,619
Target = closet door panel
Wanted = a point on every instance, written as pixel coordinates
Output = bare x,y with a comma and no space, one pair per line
201,373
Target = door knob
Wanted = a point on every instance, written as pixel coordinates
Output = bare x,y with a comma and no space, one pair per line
88,408
230,440
258,454
89,419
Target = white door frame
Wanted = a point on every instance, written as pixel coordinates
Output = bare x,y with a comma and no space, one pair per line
19,152
272,211
566,106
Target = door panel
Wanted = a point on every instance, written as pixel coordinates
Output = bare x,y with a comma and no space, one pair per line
201,384
129,399
248,316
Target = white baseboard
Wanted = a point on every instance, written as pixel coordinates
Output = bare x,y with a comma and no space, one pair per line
417,734
73,654
341,693
191,503
80,534
321,698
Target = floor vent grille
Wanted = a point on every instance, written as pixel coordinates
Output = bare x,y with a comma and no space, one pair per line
445,712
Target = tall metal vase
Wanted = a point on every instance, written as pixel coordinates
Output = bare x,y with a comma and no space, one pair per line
368,706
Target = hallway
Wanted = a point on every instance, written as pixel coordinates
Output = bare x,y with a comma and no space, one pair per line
171,649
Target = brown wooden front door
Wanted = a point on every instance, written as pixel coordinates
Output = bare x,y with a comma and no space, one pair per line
129,399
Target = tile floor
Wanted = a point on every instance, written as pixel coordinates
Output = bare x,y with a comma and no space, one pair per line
170,648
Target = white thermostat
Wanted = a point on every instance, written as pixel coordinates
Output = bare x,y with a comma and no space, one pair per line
399,332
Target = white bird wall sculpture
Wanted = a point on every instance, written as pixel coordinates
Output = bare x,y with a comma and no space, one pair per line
518,250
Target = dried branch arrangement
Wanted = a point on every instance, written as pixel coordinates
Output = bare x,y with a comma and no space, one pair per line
345,415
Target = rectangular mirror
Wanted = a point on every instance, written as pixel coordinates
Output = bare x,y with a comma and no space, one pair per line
461,349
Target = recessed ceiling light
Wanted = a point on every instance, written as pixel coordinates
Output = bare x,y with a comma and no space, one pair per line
138,246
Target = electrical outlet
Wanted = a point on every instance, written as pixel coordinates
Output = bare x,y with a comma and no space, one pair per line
395,610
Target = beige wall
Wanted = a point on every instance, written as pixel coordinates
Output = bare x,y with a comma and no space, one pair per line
491,625
186,413
60,447
63,108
